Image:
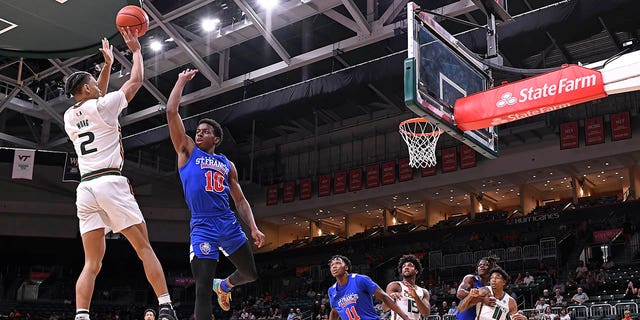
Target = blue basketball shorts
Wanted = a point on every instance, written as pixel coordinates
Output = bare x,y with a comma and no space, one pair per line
208,235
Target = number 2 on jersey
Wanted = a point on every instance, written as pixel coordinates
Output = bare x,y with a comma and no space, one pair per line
215,181
83,146
351,313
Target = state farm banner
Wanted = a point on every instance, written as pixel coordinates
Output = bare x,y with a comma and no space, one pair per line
388,172
602,236
373,175
289,192
620,126
272,194
428,171
593,131
405,172
305,188
355,179
324,185
569,135
449,160
340,182
23,163
529,97
467,157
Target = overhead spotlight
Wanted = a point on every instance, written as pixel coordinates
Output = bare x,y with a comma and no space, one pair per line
268,4
155,45
210,24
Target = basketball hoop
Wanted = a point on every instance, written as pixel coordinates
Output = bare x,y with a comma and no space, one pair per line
421,137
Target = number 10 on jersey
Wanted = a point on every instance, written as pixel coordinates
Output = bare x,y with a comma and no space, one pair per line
215,181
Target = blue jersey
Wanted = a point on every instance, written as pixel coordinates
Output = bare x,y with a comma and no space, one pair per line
354,300
205,182
470,314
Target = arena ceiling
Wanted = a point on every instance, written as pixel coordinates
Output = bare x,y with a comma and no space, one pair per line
253,51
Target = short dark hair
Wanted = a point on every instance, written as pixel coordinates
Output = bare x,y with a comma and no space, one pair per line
74,81
492,260
409,258
343,258
150,310
217,129
501,271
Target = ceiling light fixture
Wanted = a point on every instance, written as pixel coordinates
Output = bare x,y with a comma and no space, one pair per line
210,24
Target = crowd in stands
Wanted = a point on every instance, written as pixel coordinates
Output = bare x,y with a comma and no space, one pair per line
298,276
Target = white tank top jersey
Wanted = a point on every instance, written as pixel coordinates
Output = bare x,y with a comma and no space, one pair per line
95,132
408,304
499,312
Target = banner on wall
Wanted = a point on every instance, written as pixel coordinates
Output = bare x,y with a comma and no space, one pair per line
449,160
272,194
289,192
340,182
324,185
405,172
428,171
620,126
373,176
593,131
355,179
23,162
305,188
71,171
569,135
601,236
388,172
467,157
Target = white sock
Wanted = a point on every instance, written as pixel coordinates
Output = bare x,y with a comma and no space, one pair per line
163,299
82,314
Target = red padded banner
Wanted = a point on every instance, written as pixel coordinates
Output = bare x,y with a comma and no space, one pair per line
529,97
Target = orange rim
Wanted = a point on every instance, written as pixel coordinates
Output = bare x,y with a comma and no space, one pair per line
415,134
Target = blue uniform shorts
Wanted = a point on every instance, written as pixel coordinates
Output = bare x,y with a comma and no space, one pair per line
210,234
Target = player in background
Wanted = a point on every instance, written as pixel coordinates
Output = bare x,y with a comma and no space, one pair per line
105,200
209,182
351,296
505,307
414,300
478,280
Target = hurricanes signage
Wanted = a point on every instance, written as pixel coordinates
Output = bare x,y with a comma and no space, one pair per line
529,97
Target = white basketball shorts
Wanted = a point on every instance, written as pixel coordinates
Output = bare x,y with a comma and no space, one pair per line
107,202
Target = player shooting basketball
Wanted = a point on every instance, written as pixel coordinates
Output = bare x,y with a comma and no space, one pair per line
208,181
104,198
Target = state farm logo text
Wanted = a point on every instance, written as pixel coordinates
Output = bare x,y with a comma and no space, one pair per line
564,85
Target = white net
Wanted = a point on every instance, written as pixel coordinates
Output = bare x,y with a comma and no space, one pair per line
421,137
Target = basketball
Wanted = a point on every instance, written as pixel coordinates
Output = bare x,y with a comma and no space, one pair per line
133,17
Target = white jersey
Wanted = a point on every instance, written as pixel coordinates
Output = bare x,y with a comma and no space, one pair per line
407,303
94,130
499,312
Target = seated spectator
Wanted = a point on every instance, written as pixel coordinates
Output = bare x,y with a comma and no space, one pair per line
546,296
519,280
631,291
558,297
580,297
292,314
558,286
548,315
541,304
454,308
627,315
528,279
444,310
602,276
564,315
581,270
